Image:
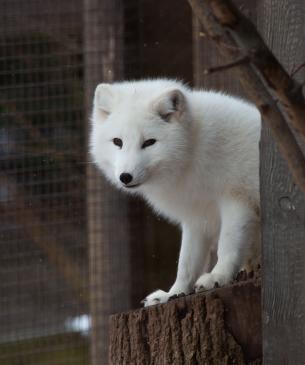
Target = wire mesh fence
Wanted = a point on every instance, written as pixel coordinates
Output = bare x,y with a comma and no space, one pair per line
73,250
44,258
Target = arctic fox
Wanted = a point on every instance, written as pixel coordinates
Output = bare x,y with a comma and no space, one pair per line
194,156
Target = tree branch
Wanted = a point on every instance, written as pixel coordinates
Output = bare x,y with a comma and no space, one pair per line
227,66
263,78
297,69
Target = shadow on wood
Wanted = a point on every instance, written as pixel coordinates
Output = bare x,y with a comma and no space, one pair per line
221,326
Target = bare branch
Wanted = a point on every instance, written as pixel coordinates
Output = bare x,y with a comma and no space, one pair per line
227,66
297,69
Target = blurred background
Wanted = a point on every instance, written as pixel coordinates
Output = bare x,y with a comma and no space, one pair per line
72,249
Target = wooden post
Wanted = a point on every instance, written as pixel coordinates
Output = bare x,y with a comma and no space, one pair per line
108,226
281,22
222,326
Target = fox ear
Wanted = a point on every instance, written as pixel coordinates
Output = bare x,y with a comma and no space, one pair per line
102,100
171,104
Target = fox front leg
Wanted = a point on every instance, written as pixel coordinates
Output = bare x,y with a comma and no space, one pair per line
193,255
239,234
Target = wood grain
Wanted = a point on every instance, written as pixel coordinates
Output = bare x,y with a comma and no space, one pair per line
281,24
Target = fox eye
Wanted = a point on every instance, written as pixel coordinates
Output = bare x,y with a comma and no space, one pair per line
148,142
118,142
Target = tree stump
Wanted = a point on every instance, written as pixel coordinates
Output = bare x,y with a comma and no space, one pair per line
220,326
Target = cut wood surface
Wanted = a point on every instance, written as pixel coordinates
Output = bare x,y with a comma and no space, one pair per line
220,326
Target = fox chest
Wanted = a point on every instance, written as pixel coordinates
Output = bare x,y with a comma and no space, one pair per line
180,206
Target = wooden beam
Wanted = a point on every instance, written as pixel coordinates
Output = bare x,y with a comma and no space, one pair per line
107,223
282,205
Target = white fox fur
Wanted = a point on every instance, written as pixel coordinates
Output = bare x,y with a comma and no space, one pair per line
199,169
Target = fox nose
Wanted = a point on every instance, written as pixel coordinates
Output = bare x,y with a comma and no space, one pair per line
126,178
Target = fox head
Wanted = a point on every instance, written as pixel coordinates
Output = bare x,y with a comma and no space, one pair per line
140,132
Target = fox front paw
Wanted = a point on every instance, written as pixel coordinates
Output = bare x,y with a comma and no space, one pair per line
157,297
161,296
209,281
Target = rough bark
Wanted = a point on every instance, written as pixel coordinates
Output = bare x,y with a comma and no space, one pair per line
222,326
